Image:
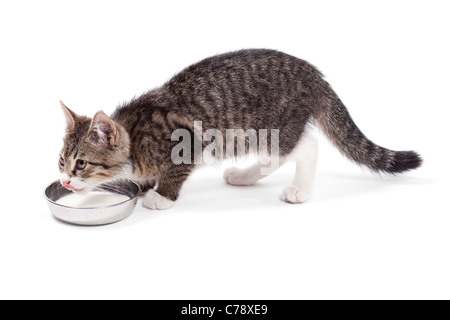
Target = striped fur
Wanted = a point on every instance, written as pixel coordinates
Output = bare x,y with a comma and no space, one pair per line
248,89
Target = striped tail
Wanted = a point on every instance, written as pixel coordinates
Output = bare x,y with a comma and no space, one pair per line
339,127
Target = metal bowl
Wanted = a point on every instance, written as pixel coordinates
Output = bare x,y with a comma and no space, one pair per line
97,215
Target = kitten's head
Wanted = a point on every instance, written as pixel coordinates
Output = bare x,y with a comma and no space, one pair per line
95,151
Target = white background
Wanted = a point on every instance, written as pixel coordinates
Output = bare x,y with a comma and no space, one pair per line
361,236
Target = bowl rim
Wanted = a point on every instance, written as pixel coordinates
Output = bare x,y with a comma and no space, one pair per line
101,207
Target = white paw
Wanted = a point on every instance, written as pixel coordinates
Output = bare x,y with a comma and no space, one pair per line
153,200
237,177
293,194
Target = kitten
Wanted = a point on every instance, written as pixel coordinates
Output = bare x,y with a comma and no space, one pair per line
248,89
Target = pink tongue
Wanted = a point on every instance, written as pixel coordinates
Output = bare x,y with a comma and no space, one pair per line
67,186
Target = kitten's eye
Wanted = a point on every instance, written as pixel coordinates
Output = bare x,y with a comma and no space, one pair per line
61,161
81,164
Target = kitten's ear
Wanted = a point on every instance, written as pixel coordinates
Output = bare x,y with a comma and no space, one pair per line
71,117
102,131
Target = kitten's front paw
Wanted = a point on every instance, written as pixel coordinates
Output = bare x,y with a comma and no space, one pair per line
294,194
153,200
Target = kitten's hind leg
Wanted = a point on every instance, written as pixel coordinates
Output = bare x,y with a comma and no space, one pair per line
249,176
305,156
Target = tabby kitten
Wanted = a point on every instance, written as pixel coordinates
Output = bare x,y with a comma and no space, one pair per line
248,89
